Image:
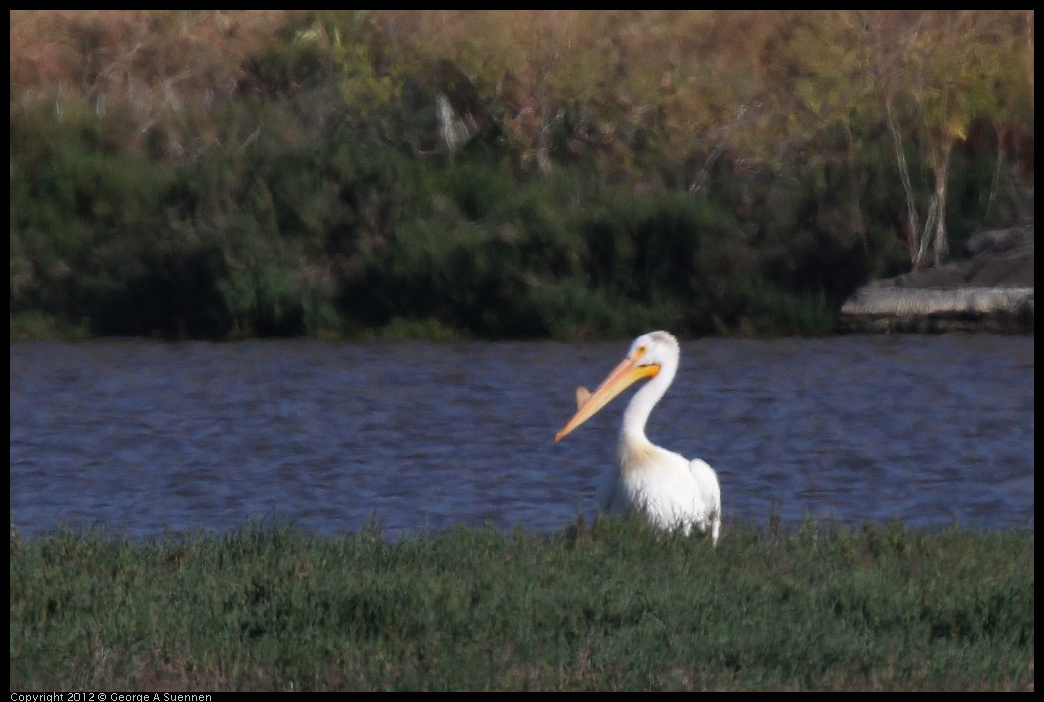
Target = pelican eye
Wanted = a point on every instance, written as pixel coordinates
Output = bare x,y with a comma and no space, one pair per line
639,352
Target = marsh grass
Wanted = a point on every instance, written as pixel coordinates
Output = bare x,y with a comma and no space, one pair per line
613,606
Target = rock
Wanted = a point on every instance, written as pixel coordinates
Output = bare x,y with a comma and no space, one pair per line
991,291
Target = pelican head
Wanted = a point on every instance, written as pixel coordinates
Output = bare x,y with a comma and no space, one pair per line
651,355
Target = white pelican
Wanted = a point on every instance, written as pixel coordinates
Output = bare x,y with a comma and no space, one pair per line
670,490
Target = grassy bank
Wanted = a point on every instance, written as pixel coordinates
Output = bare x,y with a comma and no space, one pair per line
609,607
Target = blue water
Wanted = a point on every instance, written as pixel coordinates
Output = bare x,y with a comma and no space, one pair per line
146,438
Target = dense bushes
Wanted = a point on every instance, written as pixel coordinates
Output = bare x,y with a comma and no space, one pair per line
315,192
282,238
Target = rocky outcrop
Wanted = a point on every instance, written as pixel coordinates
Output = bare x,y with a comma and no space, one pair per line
990,291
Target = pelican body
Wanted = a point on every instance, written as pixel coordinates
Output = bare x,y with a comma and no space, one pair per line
671,491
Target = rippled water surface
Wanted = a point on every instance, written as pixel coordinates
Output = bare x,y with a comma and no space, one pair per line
143,437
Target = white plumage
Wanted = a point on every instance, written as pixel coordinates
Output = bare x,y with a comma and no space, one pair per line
671,491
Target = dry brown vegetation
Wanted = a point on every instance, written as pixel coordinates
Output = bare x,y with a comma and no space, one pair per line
763,81
152,60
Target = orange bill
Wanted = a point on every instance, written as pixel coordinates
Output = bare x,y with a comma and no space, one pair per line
619,380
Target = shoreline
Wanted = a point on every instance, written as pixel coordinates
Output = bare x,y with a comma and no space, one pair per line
992,291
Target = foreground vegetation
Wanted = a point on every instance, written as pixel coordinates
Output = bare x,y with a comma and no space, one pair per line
194,174
610,607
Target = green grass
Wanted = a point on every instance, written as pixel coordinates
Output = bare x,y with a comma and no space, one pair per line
612,606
